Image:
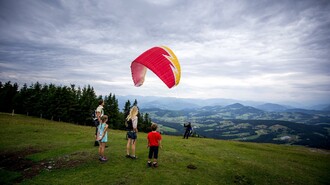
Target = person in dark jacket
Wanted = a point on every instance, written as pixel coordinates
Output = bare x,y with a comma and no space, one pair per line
188,130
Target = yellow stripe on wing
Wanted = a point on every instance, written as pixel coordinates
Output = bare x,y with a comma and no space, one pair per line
174,60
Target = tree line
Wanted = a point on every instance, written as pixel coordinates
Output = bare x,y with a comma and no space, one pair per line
65,103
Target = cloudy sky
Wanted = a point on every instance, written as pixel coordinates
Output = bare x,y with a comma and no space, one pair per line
274,51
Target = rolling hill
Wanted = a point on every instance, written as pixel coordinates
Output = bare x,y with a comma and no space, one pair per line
246,123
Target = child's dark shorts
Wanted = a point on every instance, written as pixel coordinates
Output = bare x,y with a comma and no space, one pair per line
153,152
131,135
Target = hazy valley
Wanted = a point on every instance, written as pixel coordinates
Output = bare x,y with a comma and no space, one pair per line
266,123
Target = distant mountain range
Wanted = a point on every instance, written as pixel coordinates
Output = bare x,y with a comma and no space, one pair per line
170,103
239,120
247,123
239,111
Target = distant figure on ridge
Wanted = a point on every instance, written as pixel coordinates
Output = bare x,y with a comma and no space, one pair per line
188,130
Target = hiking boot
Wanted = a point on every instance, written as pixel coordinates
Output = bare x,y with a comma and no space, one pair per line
133,157
103,159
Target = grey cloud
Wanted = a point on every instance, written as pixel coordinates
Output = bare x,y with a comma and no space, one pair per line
95,41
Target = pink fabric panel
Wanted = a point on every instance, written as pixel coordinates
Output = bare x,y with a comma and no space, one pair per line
155,60
138,72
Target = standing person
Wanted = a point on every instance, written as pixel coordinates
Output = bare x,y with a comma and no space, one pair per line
132,121
188,130
102,137
98,114
154,142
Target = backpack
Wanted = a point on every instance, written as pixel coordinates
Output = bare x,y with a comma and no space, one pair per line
94,118
93,114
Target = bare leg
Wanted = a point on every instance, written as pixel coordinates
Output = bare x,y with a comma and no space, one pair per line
133,147
129,141
102,149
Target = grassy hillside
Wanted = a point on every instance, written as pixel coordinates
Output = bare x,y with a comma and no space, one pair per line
37,151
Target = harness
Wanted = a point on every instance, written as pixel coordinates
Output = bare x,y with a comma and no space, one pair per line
129,125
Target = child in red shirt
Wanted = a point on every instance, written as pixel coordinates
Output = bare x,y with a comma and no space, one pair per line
154,142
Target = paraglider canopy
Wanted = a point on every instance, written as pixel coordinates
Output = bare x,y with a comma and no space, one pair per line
160,60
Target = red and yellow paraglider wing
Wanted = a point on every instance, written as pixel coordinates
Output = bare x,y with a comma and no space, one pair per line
160,60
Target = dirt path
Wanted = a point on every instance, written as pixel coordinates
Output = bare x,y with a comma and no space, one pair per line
17,161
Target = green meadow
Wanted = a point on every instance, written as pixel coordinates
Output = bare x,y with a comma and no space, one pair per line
38,151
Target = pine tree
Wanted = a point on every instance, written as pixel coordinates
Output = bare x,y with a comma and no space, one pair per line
147,122
7,94
63,103
112,110
127,108
88,103
126,111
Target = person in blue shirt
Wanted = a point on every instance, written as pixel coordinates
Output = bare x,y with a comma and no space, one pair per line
99,112
102,137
